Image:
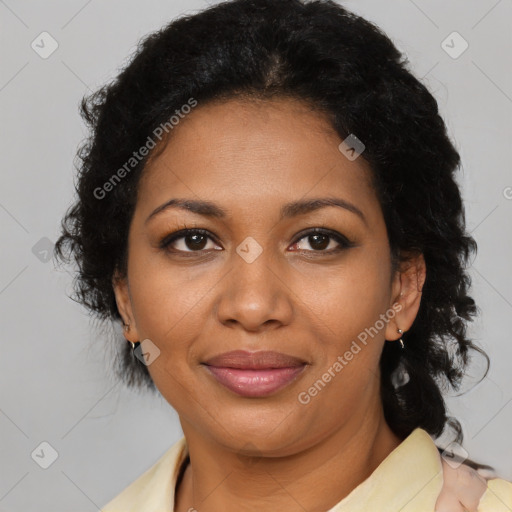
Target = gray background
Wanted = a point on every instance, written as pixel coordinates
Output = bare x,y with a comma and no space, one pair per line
54,377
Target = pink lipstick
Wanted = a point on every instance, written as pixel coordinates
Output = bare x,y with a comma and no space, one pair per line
254,374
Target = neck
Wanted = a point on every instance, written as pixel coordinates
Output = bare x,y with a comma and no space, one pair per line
314,479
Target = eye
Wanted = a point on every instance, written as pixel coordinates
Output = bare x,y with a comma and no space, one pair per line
196,240
320,239
188,240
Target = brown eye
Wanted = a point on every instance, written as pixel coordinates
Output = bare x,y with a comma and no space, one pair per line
188,240
318,242
323,241
195,241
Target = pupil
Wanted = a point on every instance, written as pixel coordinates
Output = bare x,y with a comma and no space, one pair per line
322,245
195,244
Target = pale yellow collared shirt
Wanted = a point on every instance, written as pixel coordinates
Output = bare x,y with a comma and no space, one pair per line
409,479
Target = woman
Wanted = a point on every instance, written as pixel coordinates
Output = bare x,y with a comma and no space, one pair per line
267,203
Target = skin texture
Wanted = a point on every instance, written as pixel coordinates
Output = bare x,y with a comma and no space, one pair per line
250,158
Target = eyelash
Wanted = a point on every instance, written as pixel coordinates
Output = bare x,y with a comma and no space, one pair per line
344,243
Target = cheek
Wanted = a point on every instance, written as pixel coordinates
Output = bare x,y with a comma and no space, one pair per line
348,304
169,307
349,298
164,297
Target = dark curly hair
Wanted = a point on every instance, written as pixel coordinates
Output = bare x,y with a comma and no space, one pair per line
345,67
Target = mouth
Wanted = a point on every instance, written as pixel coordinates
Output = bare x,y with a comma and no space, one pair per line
255,374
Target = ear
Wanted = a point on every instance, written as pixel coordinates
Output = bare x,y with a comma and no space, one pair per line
407,289
124,306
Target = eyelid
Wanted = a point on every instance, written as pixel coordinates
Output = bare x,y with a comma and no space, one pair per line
183,232
342,240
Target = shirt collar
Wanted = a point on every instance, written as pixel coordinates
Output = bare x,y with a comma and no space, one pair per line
409,479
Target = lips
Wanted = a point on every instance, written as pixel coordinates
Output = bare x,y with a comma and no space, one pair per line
254,360
254,374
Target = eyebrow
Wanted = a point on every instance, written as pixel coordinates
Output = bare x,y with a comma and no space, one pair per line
295,208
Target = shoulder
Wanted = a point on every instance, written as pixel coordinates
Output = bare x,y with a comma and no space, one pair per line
154,489
473,490
497,497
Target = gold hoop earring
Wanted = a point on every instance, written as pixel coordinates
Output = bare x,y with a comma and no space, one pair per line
400,340
134,345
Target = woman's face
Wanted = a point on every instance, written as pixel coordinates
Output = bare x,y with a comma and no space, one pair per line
259,280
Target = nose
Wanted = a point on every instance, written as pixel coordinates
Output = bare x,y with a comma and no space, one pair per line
254,296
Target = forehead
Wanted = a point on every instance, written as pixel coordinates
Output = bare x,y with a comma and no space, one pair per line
258,150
